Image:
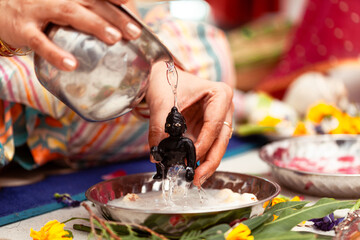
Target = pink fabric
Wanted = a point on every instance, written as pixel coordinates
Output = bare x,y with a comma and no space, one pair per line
328,33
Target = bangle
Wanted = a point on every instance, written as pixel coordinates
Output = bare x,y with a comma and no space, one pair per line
7,51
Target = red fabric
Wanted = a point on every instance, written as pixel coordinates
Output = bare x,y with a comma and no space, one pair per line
233,13
328,34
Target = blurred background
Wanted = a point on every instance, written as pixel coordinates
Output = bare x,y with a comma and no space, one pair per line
292,58
258,30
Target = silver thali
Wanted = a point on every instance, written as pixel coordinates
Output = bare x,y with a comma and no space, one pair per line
330,182
162,221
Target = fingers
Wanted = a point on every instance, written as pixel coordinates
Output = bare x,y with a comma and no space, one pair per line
97,17
39,42
118,2
220,103
81,18
213,157
112,14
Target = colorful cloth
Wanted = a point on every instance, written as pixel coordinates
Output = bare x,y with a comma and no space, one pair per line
34,121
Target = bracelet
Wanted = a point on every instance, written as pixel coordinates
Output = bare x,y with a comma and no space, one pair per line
7,51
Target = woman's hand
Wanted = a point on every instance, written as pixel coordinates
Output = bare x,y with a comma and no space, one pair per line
205,105
22,23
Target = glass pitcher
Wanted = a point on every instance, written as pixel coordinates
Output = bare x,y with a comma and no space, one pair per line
109,80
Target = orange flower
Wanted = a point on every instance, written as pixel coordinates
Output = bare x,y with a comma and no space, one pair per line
240,232
52,230
300,129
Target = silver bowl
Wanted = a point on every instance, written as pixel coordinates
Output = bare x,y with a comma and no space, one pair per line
329,182
163,221
109,80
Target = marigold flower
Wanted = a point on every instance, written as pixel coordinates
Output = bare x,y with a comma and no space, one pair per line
280,199
274,201
320,111
240,232
297,199
349,125
269,121
52,230
356,124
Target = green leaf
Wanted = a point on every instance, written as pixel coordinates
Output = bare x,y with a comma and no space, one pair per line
154,237
250,129
119,229
356,206
285,236
293,217
162,223
191,235
267,216
223,217
215,233
69,235
277,208
255,222
76,218
216,237
82,227
218,229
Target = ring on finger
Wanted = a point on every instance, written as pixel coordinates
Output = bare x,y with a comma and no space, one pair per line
230,126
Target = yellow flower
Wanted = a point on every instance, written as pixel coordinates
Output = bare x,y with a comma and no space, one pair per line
240,232
269,121
320,111
356,124
274,201
296,199
348,124
52,230
280,199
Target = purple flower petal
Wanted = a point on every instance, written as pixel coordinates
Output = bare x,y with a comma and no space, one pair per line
326,223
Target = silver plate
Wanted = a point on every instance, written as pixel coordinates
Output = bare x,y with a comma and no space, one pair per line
334,184
103,192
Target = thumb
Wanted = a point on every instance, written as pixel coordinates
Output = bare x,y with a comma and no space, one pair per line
156,134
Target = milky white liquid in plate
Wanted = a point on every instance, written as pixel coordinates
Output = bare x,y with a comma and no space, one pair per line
193,200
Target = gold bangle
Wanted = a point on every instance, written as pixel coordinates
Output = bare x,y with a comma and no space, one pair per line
7,51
